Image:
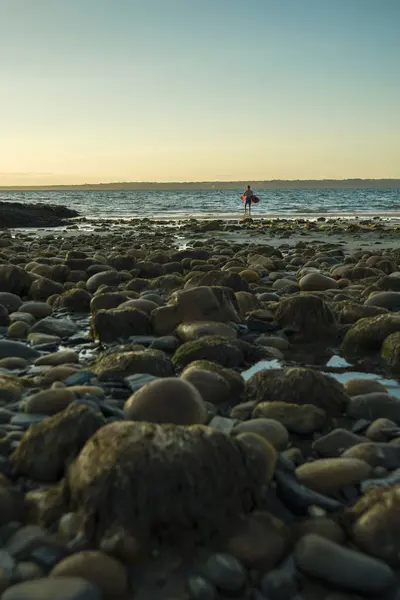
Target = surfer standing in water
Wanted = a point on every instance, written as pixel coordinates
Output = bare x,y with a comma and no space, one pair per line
249,196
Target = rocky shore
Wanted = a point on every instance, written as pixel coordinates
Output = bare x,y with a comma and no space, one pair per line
200,410
17,214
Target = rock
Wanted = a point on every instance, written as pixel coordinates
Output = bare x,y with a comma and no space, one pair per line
109,278
11,302
192,331
306,318
335,565
297,385
13,363
213,388
233,379
167,400
11,389
9,508
107,301
375,525
40,310
246,303
367,335
356,387
350,312
102,571
258,541
58,358
315,282
330,475
120,365
10,348
217,278
378,430
43,288
301,419
200,589
373,406
321,526
22,316
47,448
273,342
211,477
47,588
20,214
197,304
18,330
14,280
74,301
389,300
49,402
279,585
37,339
390,351
4,318
27,571
376,454
59,327
146,306
59,373
211,348
225,572
273,431
111,325
334,443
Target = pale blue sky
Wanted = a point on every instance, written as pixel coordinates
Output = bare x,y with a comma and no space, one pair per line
103,90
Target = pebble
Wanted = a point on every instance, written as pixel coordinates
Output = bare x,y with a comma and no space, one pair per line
329,475
225,572
200,588
58,327
336,565
60,588
10,348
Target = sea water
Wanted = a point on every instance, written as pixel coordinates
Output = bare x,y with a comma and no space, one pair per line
218,203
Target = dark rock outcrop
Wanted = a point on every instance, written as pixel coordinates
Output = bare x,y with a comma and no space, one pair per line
16,214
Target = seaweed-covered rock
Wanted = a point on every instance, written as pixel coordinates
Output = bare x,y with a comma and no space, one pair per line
192,331
120,323
301,419
297,385
367,335
75,300
122,477
351,312
15,280
375,524
391,351
216,278
47,448
119,365
167,400
212,348
197,304
233,379
307,318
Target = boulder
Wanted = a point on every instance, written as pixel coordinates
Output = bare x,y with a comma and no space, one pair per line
15,280
316,282
300,419
211,348
119,365
367,335
306,318
120,323
192,331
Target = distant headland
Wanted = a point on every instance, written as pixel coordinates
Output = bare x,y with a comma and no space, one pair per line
218,185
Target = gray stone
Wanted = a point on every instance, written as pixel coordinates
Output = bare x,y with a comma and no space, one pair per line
279,585
24,420
337,565
53,588
60,327
223,424
225,572
12,302
200,589
23,541
10,348
138,380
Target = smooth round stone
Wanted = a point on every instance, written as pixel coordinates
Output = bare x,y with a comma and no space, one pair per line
12,302
4,318
358,386
104,572
212,387
373,406
38,339
25,421
47,588
9,348
192,331
273,431
40,310
225,572
13,364
273,342
18,330
22,316
200,589
329,475
58,358
49,402
336,565
60,327
314,282
334,443
279,585
389,300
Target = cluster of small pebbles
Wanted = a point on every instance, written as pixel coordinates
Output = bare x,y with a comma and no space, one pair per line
170,429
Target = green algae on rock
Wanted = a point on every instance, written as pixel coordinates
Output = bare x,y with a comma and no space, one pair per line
211,348
390,351
297,385
307,317
366,337
121,364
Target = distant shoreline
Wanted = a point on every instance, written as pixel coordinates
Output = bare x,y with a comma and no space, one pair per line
217,185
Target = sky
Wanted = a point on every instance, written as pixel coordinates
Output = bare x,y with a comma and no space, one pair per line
198,90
